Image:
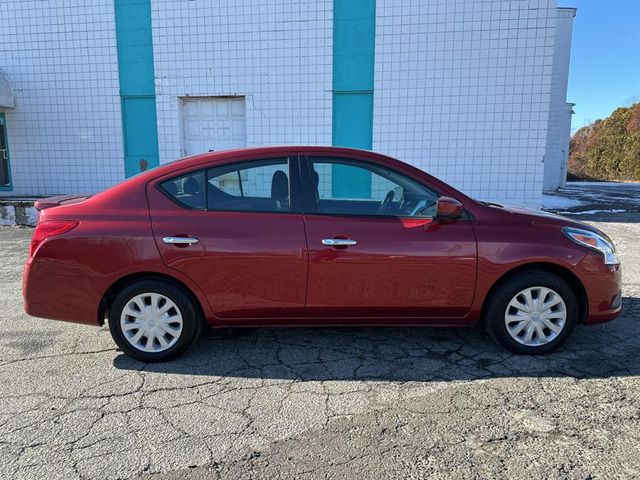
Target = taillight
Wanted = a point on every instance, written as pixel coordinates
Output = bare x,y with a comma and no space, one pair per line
49,228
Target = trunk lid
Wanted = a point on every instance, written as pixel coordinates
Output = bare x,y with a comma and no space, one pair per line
58,200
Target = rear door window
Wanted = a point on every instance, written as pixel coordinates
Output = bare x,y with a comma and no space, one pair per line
259,186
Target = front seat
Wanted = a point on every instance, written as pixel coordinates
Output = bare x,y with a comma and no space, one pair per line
280,189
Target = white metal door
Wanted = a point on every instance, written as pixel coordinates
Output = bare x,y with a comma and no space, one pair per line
213,123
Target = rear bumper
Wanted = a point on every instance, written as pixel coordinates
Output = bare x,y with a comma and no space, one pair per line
602,284
58,294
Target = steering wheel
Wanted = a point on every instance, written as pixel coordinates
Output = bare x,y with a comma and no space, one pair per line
421,207
385,205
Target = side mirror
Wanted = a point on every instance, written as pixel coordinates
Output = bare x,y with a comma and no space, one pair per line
448,208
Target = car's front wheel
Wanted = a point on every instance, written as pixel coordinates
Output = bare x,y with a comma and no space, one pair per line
532,313
152,320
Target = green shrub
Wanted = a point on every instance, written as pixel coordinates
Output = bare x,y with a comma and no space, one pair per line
608,149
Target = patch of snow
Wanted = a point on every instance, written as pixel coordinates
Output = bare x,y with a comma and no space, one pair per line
592,212
551,202
614,198
568,185
7,215
27,216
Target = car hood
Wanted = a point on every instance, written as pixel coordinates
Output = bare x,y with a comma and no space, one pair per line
531,215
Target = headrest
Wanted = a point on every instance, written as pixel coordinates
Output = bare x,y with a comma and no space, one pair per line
190,186
279,186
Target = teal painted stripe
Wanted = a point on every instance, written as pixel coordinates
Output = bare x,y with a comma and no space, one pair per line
137,85
352,127
354,27
354,30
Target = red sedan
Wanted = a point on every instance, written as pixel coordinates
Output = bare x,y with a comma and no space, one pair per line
311,236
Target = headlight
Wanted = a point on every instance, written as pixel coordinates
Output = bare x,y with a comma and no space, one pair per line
594,241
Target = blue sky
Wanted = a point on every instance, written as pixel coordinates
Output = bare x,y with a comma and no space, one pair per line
605,57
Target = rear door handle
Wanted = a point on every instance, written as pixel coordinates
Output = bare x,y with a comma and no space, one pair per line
180,240
339,242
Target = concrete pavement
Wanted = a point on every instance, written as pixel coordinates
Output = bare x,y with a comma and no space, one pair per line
318,403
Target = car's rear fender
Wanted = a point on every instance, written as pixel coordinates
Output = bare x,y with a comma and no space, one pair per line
191,290
70,274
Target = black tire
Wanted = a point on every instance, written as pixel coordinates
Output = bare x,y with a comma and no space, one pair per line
191,322
497,303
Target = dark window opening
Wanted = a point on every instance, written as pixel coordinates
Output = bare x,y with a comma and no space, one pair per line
352,187
262,186
255,186
4,156
187,190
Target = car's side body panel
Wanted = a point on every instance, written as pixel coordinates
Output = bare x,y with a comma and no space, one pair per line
70,274
247,264
400,266
402,269
508,240
251,269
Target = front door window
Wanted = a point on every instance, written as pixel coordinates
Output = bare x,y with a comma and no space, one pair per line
351,187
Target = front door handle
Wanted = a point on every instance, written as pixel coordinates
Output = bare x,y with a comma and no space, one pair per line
339,242
180,240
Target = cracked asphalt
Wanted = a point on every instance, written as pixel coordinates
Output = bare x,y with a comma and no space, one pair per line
319,403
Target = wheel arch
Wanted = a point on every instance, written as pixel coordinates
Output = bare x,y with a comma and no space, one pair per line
564,273
121,283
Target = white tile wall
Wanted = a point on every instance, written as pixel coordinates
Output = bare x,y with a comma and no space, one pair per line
462,87
65,134
462,90
557,150
278,53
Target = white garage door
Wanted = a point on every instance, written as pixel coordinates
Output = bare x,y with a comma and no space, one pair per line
212,124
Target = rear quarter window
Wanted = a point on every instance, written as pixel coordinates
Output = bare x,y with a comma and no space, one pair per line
186,190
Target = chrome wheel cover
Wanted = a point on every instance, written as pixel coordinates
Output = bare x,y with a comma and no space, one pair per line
535,316
151,322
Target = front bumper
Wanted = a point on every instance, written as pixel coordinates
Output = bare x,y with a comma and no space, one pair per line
602,284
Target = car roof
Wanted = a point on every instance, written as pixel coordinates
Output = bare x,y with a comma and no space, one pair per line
250,153
240,153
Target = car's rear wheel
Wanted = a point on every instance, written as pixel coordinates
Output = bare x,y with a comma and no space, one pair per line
153,320
532,313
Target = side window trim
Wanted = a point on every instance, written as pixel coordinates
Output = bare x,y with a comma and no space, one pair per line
311,201
239,182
